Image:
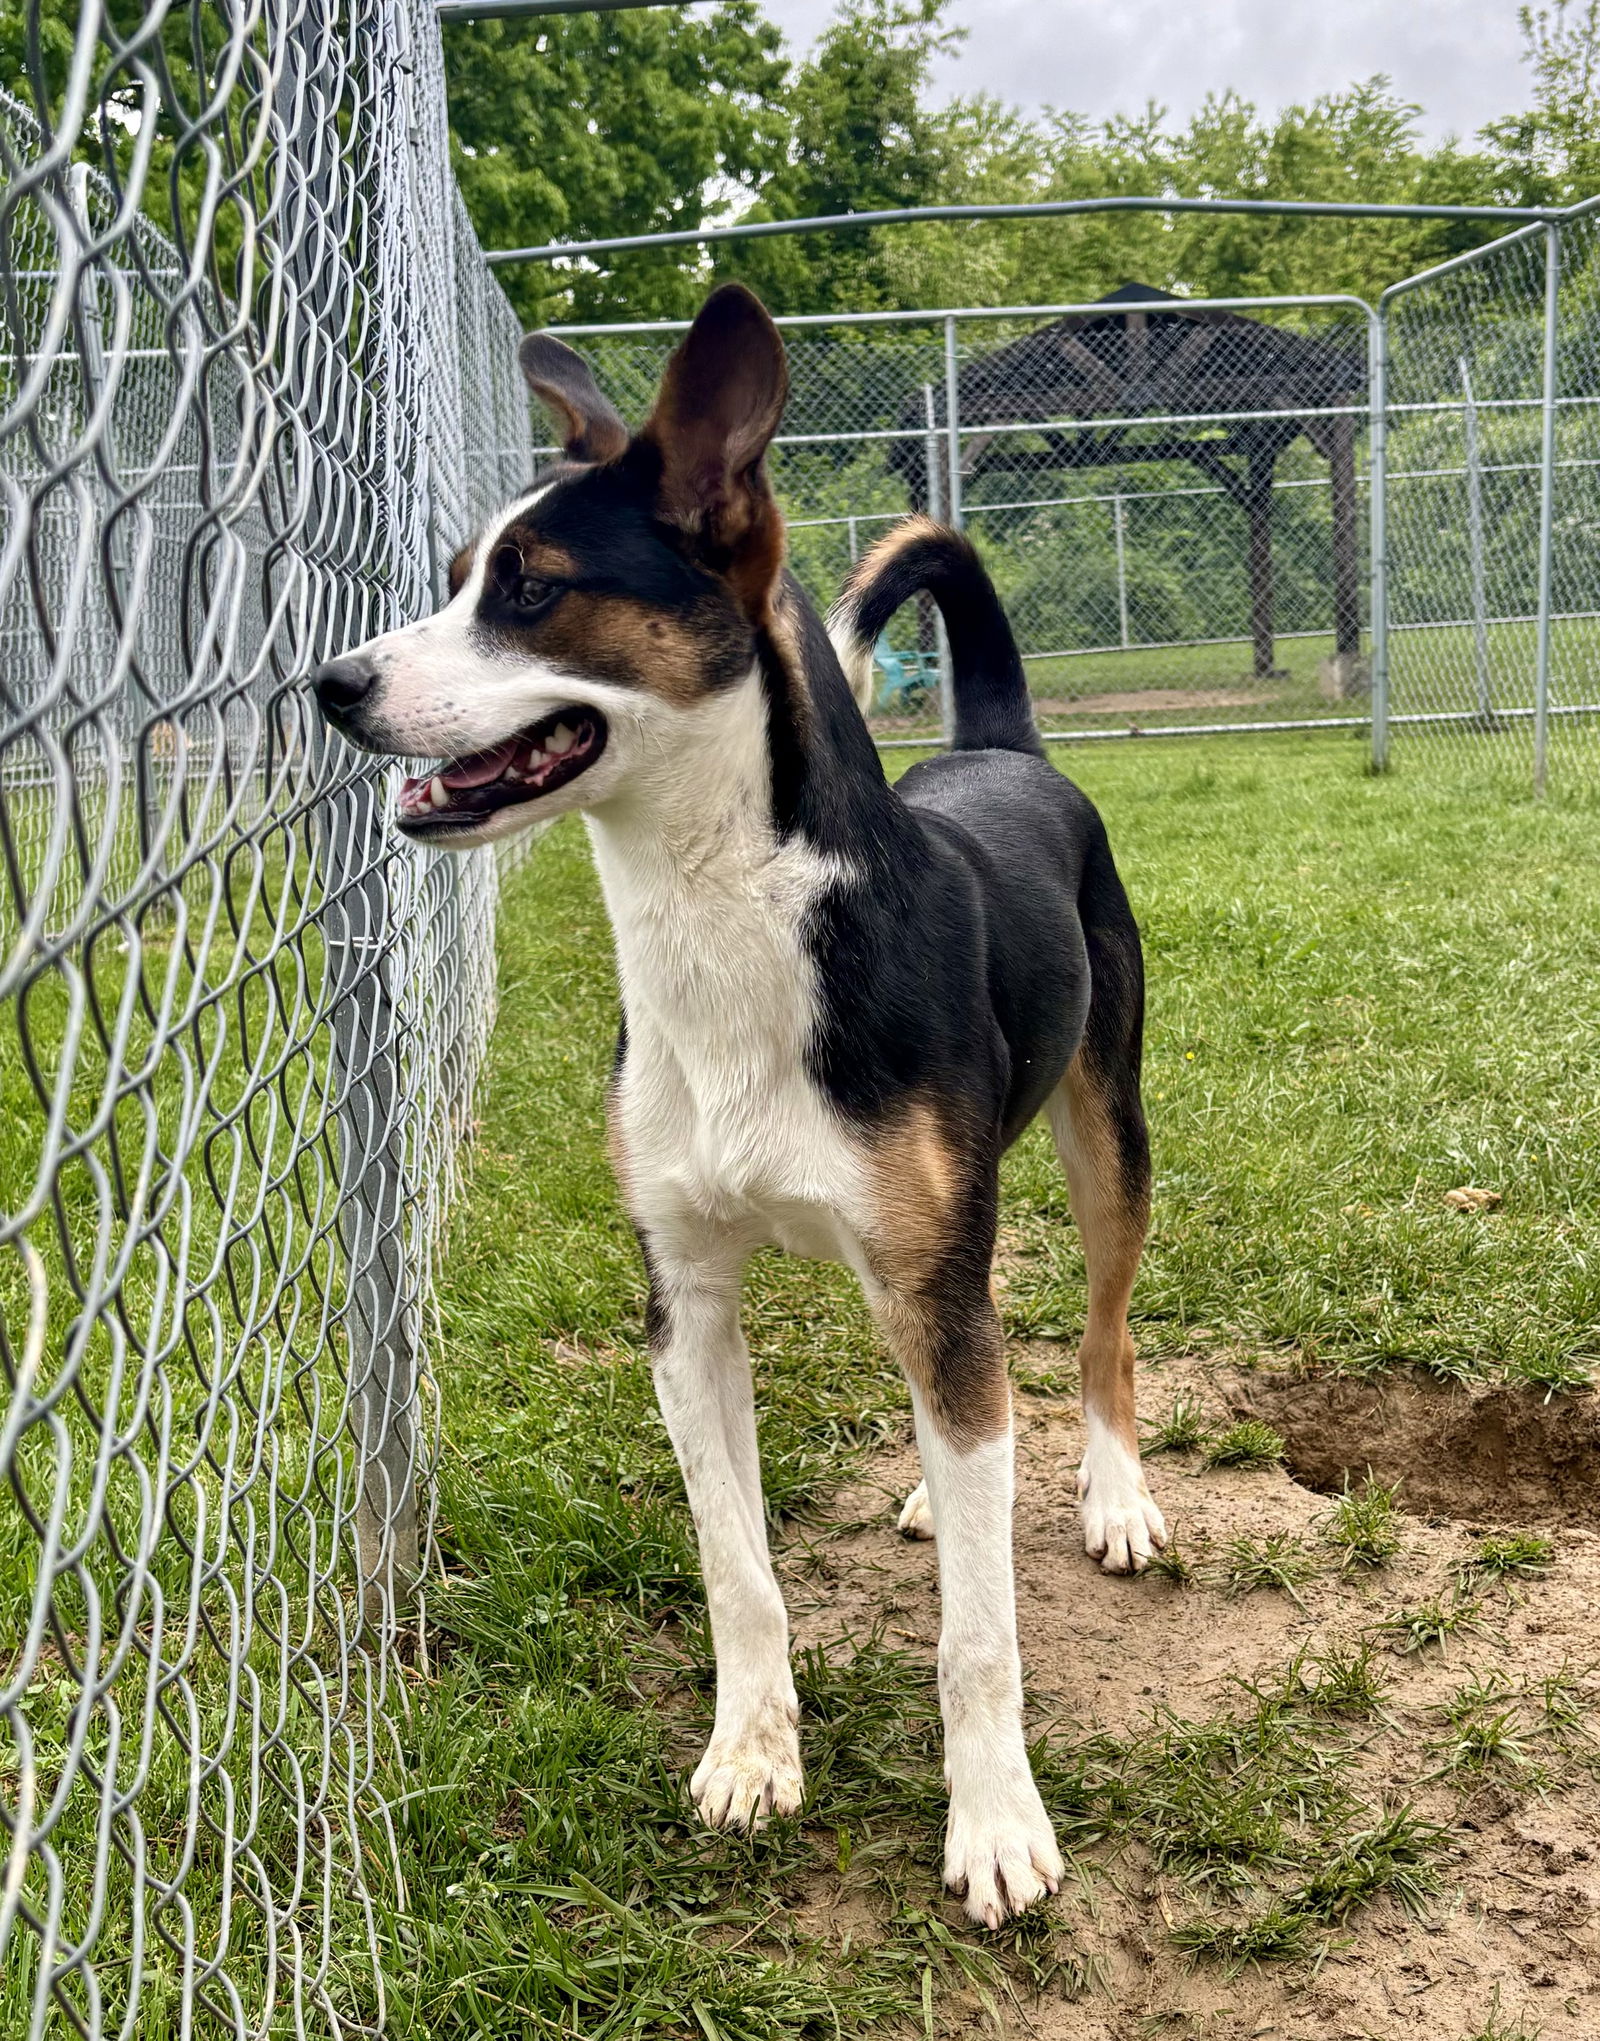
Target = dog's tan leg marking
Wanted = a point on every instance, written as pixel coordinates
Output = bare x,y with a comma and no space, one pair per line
931,1295
1111,1203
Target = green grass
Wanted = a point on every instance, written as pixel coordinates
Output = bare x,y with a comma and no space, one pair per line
1362,993
1247,1444
1509,1555
1363,1524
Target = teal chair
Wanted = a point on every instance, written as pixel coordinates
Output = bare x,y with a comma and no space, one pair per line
908,678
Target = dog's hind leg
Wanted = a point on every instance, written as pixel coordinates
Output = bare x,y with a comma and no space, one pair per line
702,1374
1098,1122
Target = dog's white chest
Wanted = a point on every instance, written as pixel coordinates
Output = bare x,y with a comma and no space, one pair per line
717,1109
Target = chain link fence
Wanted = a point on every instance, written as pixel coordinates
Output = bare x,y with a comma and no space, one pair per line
1171,495
1177,499
1493,504
256,386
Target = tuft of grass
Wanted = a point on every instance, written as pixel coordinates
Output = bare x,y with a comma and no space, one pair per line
1429,1623
1363,1525
1172,1565
1278,1560
1501,2026
1349,1681
1394,1855
1522,1555
1182,1430
1250,1444
1485,1740
1557,1374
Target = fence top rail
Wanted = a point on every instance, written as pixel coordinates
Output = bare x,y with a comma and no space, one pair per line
1036,209
1099,308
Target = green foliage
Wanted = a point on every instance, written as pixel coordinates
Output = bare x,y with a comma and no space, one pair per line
1430,1622
1180,1431
582,126
1550,154
1278,1560
862,140
1523,1554
592,125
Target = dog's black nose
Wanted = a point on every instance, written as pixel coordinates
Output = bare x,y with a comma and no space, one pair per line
340,685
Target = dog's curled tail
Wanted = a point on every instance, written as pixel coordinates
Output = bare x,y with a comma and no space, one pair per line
992,708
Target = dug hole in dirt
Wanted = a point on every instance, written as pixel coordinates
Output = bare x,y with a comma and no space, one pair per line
1512,1930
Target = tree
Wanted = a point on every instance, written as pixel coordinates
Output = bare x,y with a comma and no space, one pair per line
591,125
862,140
1550,155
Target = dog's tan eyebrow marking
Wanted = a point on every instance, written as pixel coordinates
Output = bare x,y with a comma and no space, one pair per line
461,567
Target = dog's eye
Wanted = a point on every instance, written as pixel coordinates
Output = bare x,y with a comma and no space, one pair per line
526,592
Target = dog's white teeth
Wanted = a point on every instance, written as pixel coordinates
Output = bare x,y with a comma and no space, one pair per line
436,792
560,740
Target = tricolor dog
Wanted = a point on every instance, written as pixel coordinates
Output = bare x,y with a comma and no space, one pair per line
842,1000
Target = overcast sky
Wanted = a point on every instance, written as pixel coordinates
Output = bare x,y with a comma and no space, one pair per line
1459,58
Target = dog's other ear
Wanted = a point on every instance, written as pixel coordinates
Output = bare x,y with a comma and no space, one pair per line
564,383
719,404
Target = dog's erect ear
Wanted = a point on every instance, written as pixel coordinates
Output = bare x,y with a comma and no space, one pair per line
719,404
565,384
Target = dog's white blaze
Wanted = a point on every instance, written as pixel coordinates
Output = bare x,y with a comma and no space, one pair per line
444,689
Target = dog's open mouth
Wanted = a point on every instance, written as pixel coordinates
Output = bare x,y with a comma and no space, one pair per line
525,768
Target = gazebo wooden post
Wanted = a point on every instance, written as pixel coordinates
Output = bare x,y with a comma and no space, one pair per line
1341,452
1258,512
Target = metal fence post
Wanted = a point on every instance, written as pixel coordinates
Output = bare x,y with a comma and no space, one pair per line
953,510
1480,603
936,509
1120,531
381,1323
1547,498
1378,483
952,420
350,840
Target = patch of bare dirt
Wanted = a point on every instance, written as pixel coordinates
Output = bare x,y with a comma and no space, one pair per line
1519,1903
1135,699
1501,1452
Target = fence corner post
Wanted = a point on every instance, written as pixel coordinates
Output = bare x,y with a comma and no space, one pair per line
1378,483
1547,497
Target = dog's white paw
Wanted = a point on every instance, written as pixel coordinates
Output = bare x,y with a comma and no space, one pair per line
916,1518
739,1784
1000,1854
1122,1527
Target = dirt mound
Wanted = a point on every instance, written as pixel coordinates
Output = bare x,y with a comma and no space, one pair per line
1500,1453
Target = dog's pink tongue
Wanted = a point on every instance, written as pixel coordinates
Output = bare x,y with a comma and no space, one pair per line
478,770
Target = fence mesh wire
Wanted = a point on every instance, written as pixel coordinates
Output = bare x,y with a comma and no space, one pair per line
1469,526
256,387
1176,503
1172,500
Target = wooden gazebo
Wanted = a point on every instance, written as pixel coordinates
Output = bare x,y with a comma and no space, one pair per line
1251,389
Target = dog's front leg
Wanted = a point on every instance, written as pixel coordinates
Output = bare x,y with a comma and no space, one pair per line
702,1373
1000,1850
